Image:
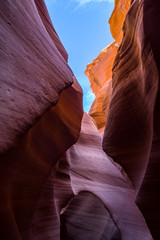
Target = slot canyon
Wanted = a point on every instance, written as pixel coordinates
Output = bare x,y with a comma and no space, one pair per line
64,173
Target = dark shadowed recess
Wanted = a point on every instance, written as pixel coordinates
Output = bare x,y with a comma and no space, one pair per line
149,198
87,218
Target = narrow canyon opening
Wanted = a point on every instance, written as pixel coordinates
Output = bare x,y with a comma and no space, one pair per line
65,173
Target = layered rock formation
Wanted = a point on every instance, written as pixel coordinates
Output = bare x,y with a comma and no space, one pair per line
132,131
31,67
39,120
99,71
56,180
91,170
117,18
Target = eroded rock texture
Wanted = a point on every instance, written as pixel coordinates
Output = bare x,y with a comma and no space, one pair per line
39,119
86,217
117,18
56,182
99,71
93,171
33,71
132,134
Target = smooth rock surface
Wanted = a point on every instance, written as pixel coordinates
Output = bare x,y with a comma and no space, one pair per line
117,18
49,183
26,167
93,171
87,218
149,195
99,108
39,120
132,134
33,69
99,71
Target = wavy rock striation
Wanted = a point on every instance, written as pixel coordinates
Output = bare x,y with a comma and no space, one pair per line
132,133
34,71
117,18
91,170
86,216
99,71
39,120
56,182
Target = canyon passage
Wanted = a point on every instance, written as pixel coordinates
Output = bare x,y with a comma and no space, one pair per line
68,174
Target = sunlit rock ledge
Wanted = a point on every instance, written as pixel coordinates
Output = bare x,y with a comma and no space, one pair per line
59,177
99,71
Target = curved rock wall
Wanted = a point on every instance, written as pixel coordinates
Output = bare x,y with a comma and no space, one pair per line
56,182
39,119
132,130
91,170
99,71
117,18
33,70
148,196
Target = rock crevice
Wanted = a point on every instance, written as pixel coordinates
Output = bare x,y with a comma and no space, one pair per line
66,174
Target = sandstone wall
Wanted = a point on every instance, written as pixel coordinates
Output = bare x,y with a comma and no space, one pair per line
132,130
91,170
39,119
131,134
56,180
99,71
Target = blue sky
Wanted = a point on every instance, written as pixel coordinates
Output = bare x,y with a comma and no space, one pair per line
83,28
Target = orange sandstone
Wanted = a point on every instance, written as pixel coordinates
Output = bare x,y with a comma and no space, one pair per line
99,71
117,18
